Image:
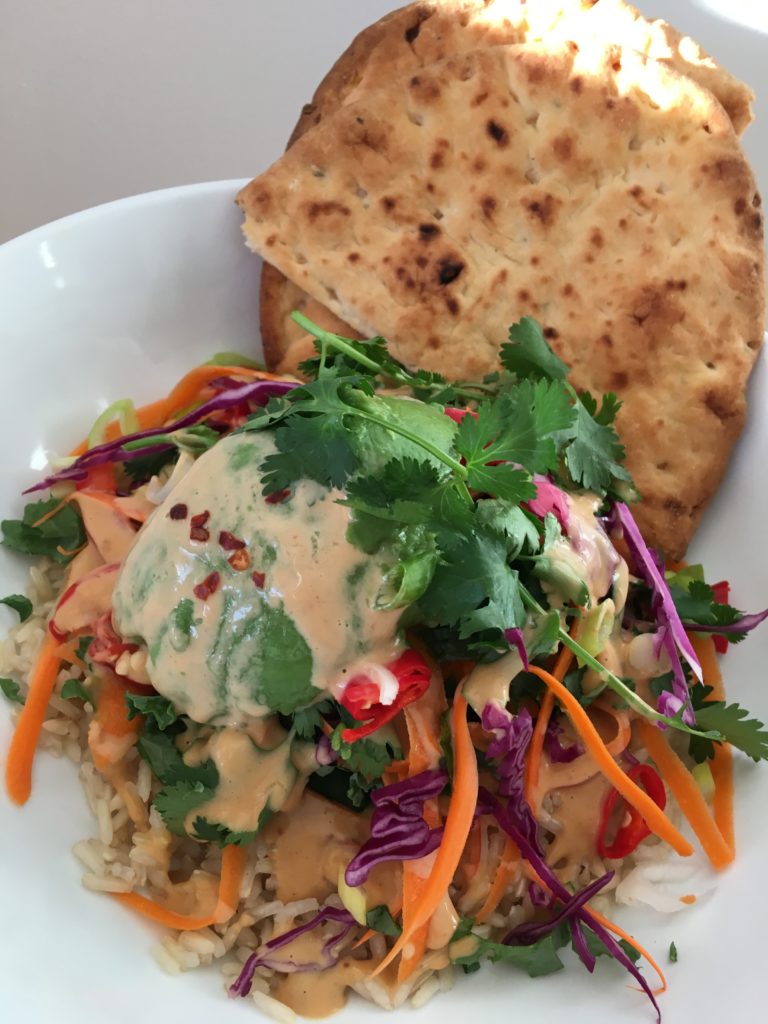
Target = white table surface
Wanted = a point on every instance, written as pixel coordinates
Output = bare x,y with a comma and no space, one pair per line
101,99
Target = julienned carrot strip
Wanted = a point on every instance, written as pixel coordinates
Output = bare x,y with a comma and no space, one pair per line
722,763
621,934
506,872
457,825
422,719
414,885
183,394
623,735
688,795
21,753
232,865
654,817
536,747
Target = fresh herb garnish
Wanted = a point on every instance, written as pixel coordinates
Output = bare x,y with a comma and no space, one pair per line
184,787
213,832
380,920
672,953
58,537
74,689
158,708
11,691
18,603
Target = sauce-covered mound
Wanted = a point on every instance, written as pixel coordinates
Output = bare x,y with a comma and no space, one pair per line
249,605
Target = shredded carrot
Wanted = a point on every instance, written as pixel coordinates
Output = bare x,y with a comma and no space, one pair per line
66,652
506,871
73,552
722,763
654,817
632,941
472,851
457,825
536,746
232,866
688,795
422,719
18,768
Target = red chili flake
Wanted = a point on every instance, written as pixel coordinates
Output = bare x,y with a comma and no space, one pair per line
197,530
230,542
178,511
209,586
239,560
277,497
259,578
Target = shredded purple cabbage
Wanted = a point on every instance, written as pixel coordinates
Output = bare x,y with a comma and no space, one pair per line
549,498
258,391
512,737
328,956
531,931
556,752
538,896
672,636
743,625
398,828
515,637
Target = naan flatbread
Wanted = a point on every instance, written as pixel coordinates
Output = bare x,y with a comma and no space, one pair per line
609,200
425,32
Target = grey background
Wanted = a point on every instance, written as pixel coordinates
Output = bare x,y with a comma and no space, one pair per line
101,99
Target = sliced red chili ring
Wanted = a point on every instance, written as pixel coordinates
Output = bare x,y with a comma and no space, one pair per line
634,830
360,696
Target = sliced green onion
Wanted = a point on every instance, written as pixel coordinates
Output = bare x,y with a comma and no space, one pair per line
124,412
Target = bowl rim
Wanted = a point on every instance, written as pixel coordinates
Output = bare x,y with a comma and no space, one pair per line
136,201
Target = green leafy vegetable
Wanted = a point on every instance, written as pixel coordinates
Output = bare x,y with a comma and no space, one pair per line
213,832
697,603
672,953
57,537
468,950
732,722
81,651
184,787
11,691
594,454
74,689
307,721
369,756
20,604
527,353
158,708
380,920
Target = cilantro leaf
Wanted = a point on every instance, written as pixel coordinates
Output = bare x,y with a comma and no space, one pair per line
468,950
57,537
509,521
474,587
527,353
312,448
697,603
380,920
672,953
307,721
733,722
83,643
158,708
213,832
176,800
594,453
369,756
11,691
20,604
74,689
184,787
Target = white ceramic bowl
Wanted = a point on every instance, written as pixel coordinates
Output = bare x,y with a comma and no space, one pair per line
121,300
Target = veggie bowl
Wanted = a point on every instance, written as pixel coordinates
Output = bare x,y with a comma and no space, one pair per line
82,310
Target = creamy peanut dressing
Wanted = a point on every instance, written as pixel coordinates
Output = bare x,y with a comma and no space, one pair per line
317,994
578,815
310,845
489,683
442,924
308,625
252,781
